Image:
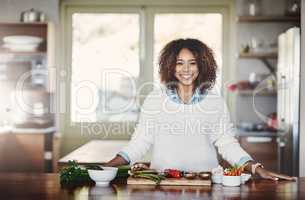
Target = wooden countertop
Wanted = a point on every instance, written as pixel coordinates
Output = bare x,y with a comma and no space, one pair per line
96,152
46,186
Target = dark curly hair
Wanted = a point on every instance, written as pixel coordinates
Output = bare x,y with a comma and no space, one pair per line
204,57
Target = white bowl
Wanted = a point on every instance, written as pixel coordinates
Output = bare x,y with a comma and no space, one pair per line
103,177
217,178
244,178
23,48
22,39
231,180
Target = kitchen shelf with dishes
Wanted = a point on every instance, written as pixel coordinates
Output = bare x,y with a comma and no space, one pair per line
251,55
265,56
26,52
254,93
257,85
26,45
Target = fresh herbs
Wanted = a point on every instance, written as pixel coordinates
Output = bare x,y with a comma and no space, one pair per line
74,175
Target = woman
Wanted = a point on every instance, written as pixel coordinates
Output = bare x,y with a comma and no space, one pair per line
185,121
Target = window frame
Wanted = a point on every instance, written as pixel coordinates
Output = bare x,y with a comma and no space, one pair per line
146,11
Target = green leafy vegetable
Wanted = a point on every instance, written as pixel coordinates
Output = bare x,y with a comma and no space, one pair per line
123,171
74,175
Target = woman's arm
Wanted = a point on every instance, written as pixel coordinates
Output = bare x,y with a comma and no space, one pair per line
116,161
231,150
264,173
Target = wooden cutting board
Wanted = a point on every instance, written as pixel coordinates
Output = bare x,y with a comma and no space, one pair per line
169,181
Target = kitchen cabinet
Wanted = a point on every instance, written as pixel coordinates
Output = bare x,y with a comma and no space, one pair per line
29,152
34,66
263,149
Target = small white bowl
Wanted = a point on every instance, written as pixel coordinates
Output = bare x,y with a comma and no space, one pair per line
103,177
244,178
231,180
217,178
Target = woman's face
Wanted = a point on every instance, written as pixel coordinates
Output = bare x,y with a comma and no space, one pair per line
186,67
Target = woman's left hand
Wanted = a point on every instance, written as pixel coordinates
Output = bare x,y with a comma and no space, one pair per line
272,175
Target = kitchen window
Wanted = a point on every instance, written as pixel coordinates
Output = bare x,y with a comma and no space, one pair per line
113,53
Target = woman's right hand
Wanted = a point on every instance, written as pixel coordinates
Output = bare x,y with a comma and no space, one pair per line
116,161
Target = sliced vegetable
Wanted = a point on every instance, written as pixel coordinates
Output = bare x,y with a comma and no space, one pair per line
139,166
123,171
233,171
173,173
154,177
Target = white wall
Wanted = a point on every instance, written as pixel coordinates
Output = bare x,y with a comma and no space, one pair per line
10,9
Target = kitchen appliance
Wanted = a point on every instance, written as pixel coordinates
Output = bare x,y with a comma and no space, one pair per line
288,77
32,15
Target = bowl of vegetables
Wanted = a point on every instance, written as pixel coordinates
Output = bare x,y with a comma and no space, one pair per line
232,176
102,175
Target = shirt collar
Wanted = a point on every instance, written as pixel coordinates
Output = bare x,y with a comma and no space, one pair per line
197,96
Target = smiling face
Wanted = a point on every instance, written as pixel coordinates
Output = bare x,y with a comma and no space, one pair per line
186,70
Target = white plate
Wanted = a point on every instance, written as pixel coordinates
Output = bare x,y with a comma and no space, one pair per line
25,48
22,39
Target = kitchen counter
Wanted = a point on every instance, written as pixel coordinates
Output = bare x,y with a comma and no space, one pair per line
96,151
46,186
241,133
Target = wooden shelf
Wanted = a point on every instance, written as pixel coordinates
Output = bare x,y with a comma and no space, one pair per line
259,55
23,23
253,93
30,53
269,19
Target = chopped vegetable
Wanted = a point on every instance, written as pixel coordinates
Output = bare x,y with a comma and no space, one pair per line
139,166
141,170
123,171
233,171
154,177
173,173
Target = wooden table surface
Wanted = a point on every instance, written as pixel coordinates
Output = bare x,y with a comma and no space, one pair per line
46,186
96,151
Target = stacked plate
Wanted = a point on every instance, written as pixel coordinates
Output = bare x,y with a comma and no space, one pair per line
22,43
